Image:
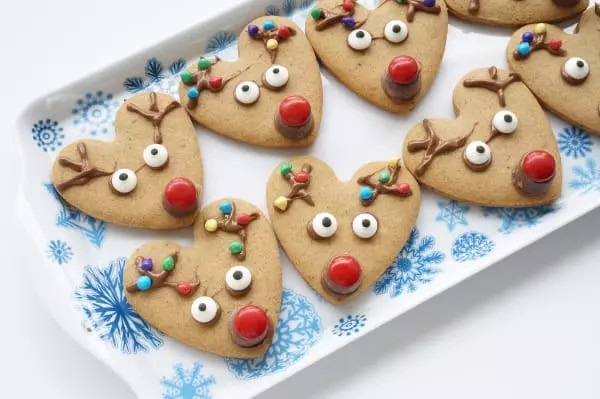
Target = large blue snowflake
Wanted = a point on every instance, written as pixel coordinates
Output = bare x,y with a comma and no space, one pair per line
514,218
471,246
71,218
105,307
586,178
220,41
349,325
289,7
94,113
412,267
298,329
59,252
574,142
188,383
156,78
47,134
452,213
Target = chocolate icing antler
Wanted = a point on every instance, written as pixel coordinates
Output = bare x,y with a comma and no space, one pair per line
386,183
428,6
154,115
86,171
493,83
325,18
536,40
229,223
299,183
434,145
149,279
271,35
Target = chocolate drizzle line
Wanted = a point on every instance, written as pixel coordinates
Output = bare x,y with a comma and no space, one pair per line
493,83
382,188
298,189
229,224
417,5
154,115
160,279
330,18
539,43
86,171
434,145
272,34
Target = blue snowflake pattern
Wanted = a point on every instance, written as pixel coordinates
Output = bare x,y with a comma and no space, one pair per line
452,213
105,307
220,41
298,329
471,246
586,178
349,325
70,218
188,383
574,142
514,218
47,134
59,252
412,267
156,79
95,113
289,7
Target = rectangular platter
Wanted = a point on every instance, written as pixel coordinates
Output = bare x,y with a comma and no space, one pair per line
75,260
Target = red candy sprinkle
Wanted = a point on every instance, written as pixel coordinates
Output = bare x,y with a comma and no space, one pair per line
184,289
539,165
294,111
284,32
344,271
243,219
181,194
403,69
215,82
403,188
555,44
301,177
250,322
348,6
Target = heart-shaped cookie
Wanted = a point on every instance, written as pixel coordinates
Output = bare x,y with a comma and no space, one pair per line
562,69
515,12
221,294
150,176
389,56
500,150
341,236
272,96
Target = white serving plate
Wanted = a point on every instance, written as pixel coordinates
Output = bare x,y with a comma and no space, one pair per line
75,260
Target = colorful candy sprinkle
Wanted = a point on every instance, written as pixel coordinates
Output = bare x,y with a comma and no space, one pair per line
193,93
348,22
226,207
316,13
384,177
523,48
348,6
204,64
168,264
243,219
429,3
540,29
272,44
285,169
211,225
365,193
284,32
302,177
527,37
253,30
147,264
143,283
281,203
394,162
186,77
236,247
555,44
403,188
269,25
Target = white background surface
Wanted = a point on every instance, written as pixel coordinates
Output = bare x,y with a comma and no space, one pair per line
529,327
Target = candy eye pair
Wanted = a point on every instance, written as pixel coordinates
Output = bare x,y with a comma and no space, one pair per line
274,78
124,181
575,70
325,225
478,154
395,32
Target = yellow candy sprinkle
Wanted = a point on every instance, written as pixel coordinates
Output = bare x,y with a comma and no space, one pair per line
281,203
272,44
394,162
211,225
540,29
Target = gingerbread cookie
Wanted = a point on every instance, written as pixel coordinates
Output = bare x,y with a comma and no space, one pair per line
515,12
220,295
341,236
562,69
389,56
271,96
500,151
150,176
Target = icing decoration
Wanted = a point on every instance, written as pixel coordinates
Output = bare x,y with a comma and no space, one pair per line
343,275
503,122
249,326
180,197
86,172
154,115
535,172
294,117
271,35
428,6
359,39
247,93
323,225
325,18
230,223
149,279
156,156
575,71
493,83
536,40
276,77
386,184
395,31
238,280
299,182
123,181
402,80
205,310
365,225
477,155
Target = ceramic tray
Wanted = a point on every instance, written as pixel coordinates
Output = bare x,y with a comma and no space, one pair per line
75,261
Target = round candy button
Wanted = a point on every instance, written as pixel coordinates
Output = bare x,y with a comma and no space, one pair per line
249,326
180,197
403,69
343,275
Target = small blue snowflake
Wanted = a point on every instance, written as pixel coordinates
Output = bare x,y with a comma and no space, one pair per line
298,329
411,268
104,306
288,8
156,79
47,134
95,113
220,41
514,218
586,178
59,252
471,246
349,325
452,213
574,142
188,383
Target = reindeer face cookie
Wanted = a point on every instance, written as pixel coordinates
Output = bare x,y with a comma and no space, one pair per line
341,236
499,152
220,295
271,96
389,56
561,69
150,176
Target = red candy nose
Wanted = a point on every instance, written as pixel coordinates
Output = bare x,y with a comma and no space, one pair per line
539,165
294,111
344,272
180,195
403,69
250,323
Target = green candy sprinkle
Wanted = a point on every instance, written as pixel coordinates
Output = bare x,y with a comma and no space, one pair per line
316,13
285,169
168,264
384,177
186,77
204,64
236,247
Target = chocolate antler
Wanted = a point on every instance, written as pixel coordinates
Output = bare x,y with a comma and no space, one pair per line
229,223
536,40
428,6
271,35
493,83
154,115
86,171
386,183
299,183
325,18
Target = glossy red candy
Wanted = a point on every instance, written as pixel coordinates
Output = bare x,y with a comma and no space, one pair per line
555,44
301,177
181,195
184,289
243,219
539,165
403,69
284,32
215,82
250,323
403,188
348,6
294,111
344,271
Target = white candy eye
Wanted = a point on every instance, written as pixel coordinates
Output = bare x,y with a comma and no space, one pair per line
477,154
395,31
238,278
365,225
323,225
359,39
123,181
576,70
247,92
276,77
505,122
156,156
205,310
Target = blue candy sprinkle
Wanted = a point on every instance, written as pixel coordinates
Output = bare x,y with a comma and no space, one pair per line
225,207
523,48
527,37
144,283
365,193
269,25
193,93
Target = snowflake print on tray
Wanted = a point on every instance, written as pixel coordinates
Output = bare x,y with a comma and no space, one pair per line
59,252
102,300
574,142
514,218
94,113
452,213
156,78
412,267
586,178
289,8
471,246
47,134
299,328
349,325
187,383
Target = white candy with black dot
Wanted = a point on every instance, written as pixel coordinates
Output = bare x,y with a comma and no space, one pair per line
204,309
505,122
359,39
156,156
576,68
123,181
277,76
365,225
247,92
324,225
478,153
238,278
395,31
